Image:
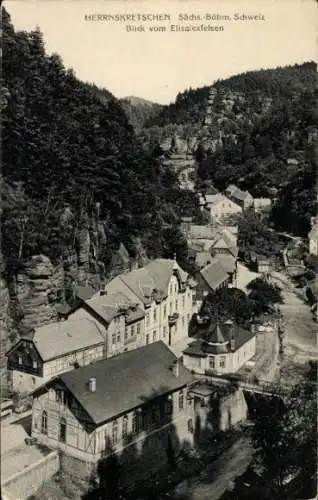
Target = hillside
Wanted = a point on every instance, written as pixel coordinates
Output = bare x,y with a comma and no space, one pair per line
76,184
139,110
257,130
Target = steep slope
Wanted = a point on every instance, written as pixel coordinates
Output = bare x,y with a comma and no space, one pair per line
76,183
139,111
256,130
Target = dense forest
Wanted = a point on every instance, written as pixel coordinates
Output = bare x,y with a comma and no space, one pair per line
139,111
261,135
69,155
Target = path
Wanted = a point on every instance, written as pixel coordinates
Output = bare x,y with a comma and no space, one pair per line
300,340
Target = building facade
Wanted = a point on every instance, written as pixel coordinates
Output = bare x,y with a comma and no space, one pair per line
225,349
221,208
113,404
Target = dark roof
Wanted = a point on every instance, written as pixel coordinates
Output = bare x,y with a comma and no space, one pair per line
216,340
126,381
214,274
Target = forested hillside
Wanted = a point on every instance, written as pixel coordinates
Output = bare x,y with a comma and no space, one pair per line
260,134
139,111
76,180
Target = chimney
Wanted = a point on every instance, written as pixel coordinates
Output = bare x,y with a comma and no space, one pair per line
176,368
102,292
232,344
92,384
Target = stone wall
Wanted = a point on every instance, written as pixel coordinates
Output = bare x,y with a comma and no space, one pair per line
27,482
232,409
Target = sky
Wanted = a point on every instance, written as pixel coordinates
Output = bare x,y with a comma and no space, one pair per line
158,65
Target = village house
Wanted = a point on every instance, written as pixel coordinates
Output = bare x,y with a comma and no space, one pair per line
243,198
137,399
213,277
53,349
262,205
225,348
313,240
221,208
263,264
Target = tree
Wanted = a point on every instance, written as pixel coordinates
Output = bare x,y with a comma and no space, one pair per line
264,295
284,437
228,303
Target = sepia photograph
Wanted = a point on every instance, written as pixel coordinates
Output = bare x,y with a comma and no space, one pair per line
159,250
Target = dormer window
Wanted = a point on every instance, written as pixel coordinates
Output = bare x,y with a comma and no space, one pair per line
20,360
35,364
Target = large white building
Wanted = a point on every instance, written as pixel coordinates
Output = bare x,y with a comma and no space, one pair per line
220,207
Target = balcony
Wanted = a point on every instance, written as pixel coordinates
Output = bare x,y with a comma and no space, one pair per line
173,318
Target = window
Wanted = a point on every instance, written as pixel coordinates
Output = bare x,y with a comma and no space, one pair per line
59,396
164,311
126,332
147,318
164,331
20,360
188,318
222,362
134,423
125,426
181,400
176,305
35,364
118,336
154,336
132,330
154,414
155,314
147,338
44,422
183,320
175,288
183,301
190,425
63,430
114,432
114,338
212,362
138,328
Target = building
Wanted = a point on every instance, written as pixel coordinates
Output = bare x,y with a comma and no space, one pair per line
164,293
113,404
214,239
243,198
263,264
313,240
213,276
53,349
152,303
224,349
221,208
262,205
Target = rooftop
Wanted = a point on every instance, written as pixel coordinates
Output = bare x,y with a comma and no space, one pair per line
126,381
217,340
214,274
58,339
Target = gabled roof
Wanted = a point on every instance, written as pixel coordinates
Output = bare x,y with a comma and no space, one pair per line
108,306
228,262
58,339
141,283
126,381
214,274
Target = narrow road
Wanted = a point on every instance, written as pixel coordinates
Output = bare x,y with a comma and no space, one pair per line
215,479
300,340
